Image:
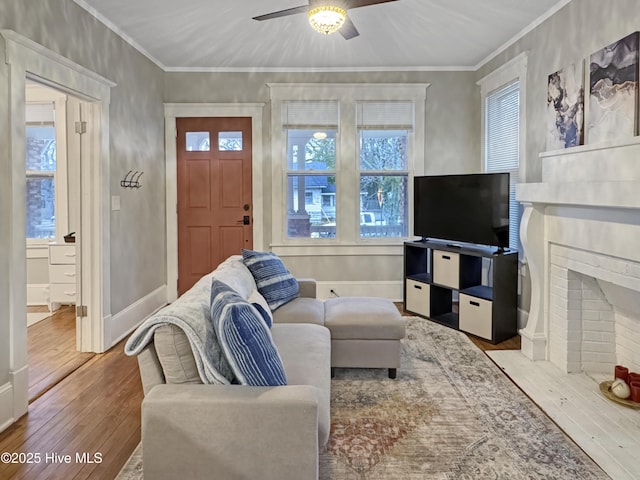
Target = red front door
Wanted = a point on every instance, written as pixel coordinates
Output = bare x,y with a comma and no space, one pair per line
215,213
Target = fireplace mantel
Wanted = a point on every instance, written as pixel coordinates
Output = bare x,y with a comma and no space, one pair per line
589,200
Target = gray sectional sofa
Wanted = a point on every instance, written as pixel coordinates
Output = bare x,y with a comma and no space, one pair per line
193,429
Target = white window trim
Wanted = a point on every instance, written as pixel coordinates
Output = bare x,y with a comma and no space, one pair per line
39,94
172,111
348,174
398,173
515,69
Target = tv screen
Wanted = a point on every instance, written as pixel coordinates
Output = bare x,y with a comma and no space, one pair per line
472,208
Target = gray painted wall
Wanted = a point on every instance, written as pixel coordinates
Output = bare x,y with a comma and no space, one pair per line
570,36
452,137
137,231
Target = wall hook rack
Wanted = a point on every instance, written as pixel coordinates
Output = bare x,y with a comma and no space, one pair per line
131,179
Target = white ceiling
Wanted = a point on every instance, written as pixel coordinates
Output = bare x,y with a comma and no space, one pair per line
406,34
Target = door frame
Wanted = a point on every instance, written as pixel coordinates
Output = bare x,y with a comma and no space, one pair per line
28,59
177,110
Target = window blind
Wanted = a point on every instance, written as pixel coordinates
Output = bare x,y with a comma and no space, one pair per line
502,146
385,115
303,114
39,113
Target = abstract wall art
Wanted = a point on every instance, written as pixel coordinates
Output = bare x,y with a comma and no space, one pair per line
565,108
613,91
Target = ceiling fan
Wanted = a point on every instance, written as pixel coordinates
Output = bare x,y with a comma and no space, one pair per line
327,16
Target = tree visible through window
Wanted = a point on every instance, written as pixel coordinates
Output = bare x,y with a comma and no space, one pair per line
383,183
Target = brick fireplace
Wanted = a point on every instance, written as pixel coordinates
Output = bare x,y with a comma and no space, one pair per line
581,236
594,320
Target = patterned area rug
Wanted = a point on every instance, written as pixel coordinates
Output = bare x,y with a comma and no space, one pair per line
450,414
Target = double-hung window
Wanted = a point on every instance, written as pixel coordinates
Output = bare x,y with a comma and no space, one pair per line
502,145
41,171
343,158
383,142
311,132
503,132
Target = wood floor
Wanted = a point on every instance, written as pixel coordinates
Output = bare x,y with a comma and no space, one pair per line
92,414
52,353
94,411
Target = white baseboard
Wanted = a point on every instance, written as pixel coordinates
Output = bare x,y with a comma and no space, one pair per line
6,406
37,294
391,290
14,398
121,324
20,381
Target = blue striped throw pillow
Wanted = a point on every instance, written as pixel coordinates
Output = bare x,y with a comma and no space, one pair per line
275,283
245,338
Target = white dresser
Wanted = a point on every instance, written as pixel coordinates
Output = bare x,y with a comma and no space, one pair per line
62,275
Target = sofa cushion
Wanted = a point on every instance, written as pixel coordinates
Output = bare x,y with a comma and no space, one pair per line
175,355
245,338
305,350
192,315
274,281
301,310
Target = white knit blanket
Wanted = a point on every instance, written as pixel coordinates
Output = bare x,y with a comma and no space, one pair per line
192,314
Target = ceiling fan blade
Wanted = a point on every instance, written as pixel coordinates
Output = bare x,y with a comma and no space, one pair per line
365,3
283,13
348,30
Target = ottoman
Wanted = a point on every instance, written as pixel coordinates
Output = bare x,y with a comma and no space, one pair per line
365,333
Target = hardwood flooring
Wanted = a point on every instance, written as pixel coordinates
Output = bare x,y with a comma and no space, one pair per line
52,353
94,411
92,415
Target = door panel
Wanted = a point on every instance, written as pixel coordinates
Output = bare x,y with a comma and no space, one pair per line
215,213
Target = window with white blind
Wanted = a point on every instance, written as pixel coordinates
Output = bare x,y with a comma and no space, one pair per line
311,129
504,130
383,130
46,165
343,156
502,146
41,170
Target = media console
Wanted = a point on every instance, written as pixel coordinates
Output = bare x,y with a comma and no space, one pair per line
484,280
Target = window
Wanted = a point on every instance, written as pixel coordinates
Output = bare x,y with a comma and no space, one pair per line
343,159
40,171
502,146
230,141
198,142
311,129
383,129
504,130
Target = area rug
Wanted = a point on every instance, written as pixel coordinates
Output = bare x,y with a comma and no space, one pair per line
450,414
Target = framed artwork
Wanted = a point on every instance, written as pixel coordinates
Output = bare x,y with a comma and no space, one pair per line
613,91
565,108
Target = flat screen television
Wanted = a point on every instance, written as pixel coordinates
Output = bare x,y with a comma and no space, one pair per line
471,208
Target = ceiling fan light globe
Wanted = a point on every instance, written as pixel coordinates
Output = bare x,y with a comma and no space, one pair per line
327,19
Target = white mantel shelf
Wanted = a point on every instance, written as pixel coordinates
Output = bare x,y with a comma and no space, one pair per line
605,175
617,194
